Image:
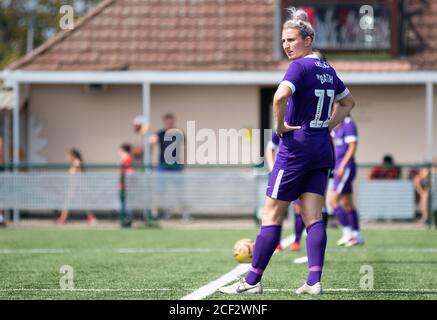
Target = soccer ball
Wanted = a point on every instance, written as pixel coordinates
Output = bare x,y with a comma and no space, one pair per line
243,250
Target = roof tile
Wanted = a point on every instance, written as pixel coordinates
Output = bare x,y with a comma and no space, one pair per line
193,35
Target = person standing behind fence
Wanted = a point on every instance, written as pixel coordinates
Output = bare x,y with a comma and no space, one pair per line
345,137
2,215
76,166
172,157
387,171
422,185
126,171
138,146
1,154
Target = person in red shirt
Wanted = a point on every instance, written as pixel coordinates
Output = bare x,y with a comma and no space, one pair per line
126,169
388,170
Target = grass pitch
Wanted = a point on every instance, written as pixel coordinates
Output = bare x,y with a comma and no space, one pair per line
169,264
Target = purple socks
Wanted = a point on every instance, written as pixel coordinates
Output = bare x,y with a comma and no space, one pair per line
268,239
341,216
298,227
353,220
265,245
347,218
316,245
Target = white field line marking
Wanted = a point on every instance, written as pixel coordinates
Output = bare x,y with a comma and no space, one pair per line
272,290
32,251
171,250
232,275
179,250
394,249
121,250
338,290
89,290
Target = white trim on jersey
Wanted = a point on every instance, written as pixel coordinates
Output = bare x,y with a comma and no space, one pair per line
342,95
312,55
277,184
343,180
350,139
289,84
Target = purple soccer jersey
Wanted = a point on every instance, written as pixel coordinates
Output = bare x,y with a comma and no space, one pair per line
315,87
275,139
342,135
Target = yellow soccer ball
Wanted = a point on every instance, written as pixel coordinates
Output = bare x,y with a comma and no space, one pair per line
243,250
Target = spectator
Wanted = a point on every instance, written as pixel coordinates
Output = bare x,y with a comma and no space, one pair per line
422,180
138,148
388,170
2,216
126,171
76,166
1,152
172,156
421,184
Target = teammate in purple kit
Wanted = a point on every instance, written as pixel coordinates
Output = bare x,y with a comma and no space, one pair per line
302,108
345,137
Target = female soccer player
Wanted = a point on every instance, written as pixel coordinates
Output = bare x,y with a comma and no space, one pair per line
302,107
345,137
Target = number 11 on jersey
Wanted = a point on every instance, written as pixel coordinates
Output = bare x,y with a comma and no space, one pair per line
320,94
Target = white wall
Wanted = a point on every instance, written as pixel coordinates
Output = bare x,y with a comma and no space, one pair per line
391,119
94,122
97,122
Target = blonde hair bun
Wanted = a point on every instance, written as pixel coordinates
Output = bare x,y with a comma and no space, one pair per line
297,14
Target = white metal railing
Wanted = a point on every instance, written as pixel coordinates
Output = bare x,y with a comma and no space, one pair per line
207,189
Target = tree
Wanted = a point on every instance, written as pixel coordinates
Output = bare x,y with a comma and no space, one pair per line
18,17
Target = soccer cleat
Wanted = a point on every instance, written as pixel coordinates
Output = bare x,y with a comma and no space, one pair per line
241,286
354,242
279,247
295,246
307,289
343,240
301,260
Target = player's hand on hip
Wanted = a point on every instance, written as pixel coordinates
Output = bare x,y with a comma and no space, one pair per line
286,128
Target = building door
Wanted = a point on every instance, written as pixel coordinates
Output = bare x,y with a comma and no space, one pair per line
266,113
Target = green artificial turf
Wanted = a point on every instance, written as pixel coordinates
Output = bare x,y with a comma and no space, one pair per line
169,264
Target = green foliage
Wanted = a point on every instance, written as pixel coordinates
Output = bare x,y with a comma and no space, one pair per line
16,16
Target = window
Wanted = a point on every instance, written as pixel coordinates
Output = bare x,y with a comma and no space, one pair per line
345,25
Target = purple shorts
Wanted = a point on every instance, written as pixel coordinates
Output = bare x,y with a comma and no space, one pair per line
289,185
344,185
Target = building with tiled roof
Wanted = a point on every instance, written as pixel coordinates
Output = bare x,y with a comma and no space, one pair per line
218,62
